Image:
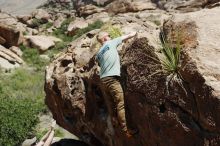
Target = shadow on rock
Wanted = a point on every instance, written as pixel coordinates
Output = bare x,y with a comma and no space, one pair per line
69,142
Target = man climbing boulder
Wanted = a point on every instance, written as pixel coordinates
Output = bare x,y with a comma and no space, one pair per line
109,62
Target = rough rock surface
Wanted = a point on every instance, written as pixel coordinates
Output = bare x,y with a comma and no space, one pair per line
178,112
8,59
41,42
79,3
10,35
89,9
185,6
11,30
9,55
16,50
24,18
76,25
58,21
77,103
121,6
41,15
202,50
2,40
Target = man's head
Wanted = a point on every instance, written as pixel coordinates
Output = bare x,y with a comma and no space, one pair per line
102,37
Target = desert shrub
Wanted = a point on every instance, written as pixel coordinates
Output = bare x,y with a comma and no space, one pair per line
113,31
21,100
59,46
61,32
157,22
32,57
17,119
48,25
37,22
96,25
23,83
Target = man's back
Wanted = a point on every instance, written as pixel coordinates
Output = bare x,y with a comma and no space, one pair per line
108,58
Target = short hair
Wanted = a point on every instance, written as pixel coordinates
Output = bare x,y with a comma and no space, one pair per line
101,35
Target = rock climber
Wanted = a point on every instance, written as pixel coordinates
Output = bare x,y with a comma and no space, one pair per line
109,63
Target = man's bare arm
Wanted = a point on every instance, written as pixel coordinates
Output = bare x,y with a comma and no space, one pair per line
130,35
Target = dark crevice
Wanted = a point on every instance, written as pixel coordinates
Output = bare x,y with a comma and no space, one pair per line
162,108
186,84
73,91
56,89
210,2
91,139
72,121
65,63
158,5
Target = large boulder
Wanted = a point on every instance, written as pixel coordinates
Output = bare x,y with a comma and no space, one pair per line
79,3
8,59
6,64
121,6
185,6
41,42
198,33
10,35
58,21
16,50
167,110
11,30
103,17
24,18
89,9
41,14
75,25
2,40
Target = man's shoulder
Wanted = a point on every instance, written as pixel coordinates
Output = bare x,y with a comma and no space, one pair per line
102,50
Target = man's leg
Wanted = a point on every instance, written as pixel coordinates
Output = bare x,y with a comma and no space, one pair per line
114,88
116,92
107,96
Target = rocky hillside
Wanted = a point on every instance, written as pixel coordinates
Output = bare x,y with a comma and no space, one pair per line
168,108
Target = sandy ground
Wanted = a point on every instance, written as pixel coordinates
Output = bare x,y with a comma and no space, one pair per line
20,7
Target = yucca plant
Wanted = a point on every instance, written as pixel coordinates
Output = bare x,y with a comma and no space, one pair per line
171,61
171,55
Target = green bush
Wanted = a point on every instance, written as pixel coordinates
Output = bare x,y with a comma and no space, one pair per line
17,119
32,57
113,31
21,100
59,46
61,32
96,25
37,22
23,83
48,25
157,22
